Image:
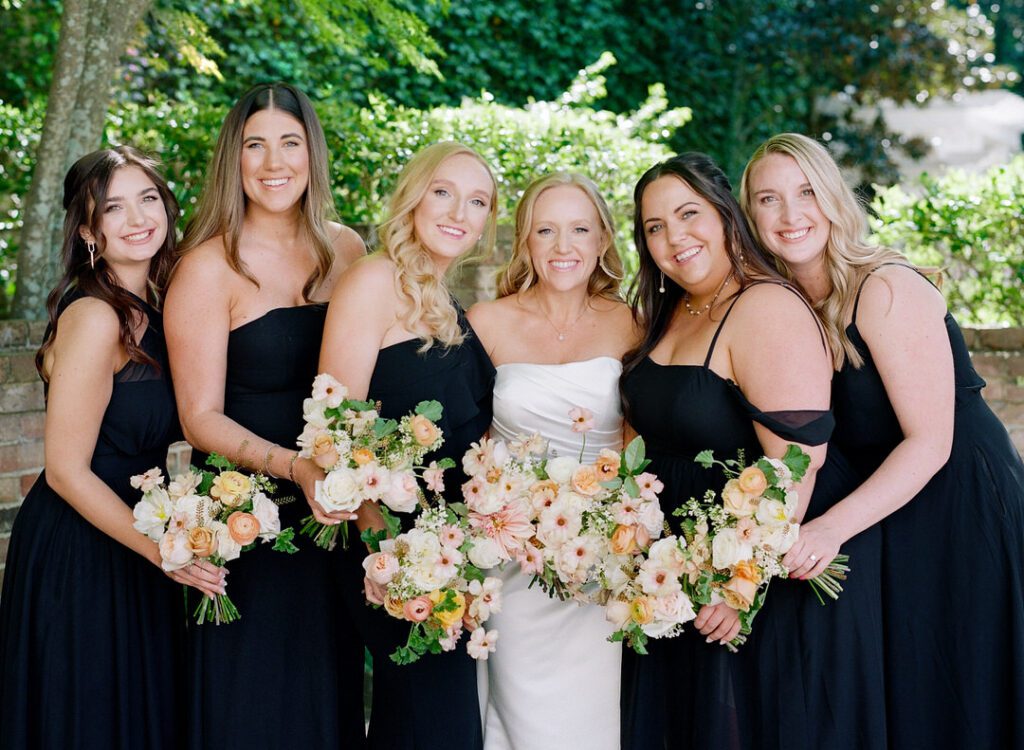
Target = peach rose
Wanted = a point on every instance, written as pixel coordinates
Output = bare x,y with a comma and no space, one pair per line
418,609
202,541
230,487
747,570
643,536
739,593
737,502
447,619
325,455
362,456
424,431
394,607
753,481
243,527
641,611
623,540
585,481
607,465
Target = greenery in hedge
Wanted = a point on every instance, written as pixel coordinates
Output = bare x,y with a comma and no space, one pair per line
971,226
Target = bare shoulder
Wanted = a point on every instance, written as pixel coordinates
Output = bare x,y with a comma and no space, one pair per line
492,311
898,293
617,320
348,245
772,306
206,264
368,281
88,326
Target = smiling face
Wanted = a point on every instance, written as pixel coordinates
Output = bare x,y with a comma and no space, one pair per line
566,237
274,161
133,219
684,235
452,214
785,212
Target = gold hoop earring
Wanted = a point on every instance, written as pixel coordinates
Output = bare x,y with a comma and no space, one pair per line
91,247
661,288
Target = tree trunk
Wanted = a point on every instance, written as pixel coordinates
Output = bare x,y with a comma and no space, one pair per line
93,37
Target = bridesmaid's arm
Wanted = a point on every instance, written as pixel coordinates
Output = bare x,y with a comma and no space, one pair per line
901,318
86,353
362,311
197,321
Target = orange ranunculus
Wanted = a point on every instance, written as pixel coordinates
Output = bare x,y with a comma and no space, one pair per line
362,456
753,481
424,431
243,527
641,611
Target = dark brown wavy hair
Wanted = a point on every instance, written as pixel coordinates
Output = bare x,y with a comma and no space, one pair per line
85,189
652,310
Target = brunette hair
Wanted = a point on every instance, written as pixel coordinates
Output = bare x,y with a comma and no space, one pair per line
518,274
222,203
85,193
652,309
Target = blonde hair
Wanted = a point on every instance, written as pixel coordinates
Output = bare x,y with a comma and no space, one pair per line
222,203
849,259
430,311
519,274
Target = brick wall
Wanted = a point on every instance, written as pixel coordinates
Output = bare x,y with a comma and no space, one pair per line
997,354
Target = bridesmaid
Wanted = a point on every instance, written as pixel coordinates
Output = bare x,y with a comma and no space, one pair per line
939,471
731,359
554,681
395,334
89,625
245,313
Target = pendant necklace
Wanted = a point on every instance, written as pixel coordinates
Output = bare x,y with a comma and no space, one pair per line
562,334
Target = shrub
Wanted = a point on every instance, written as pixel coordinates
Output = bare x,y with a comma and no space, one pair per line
972,226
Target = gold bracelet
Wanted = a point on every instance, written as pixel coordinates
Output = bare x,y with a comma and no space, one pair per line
266,460
291,467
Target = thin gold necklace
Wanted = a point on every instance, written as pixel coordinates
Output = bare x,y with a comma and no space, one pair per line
562,334
708,306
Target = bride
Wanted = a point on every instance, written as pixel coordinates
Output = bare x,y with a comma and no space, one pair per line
556,334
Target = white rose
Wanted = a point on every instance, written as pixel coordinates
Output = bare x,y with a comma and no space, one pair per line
485,553
668,553
727,549
426,574
771,512
779,537
267,514
652,518
402,493
227,548
339,491
174,551
313,413
669,611
561,468
617,613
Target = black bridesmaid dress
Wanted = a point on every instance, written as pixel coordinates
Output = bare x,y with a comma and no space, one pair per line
433,703
809,676
952,566
289,673
90,632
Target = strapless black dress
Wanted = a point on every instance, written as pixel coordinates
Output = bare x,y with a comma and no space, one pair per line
809,676
289,672
952,566
431,704
90,632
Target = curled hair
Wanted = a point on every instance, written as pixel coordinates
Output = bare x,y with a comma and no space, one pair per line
652,310
222,202
85,193
848,257
519,274
429,309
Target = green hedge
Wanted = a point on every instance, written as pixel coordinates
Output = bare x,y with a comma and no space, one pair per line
971,226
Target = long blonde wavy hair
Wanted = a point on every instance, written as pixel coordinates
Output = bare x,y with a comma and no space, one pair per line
849,259
429,309
222,203
518,274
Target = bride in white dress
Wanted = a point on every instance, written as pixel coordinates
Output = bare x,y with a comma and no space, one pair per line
556,334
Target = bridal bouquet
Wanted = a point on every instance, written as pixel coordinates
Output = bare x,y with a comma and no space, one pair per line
426,576
571,524
366,457
729,550
209,515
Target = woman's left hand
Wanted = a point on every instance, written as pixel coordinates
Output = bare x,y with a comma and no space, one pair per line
816,547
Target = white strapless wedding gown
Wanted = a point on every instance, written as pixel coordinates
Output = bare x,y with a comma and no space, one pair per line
553,682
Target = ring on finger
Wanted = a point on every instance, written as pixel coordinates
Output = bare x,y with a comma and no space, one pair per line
814,558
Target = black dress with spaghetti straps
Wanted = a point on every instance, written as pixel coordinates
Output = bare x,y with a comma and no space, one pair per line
90,632
289,673
433,703
809,676
952,564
